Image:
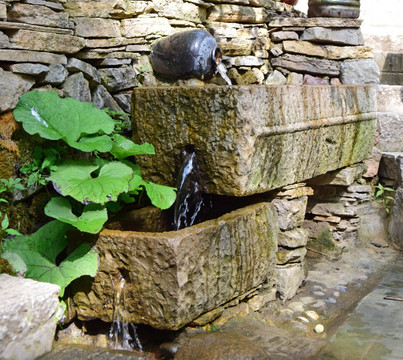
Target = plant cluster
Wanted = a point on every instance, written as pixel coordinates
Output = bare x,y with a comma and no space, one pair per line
382,195
8,186
92,174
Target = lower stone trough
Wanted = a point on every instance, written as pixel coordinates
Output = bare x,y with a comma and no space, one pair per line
250,140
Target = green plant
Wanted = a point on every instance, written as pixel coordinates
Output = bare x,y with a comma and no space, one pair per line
34,256
381,195
120,118
10,186
88,187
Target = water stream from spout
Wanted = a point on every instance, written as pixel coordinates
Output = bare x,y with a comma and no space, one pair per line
222,70
189,200
122,334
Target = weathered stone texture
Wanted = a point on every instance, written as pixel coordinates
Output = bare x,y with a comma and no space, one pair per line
307,64
56,75
290,213
102,99
77,87
294,238
116,79
27,312
96,27
333,36
310,22
38,15
146,26
29,69
12,86
396,224
174,277
4,43
361,71
347,52
258,138
43,41
32,56
304,48
290,278
180,10
90,72
236,13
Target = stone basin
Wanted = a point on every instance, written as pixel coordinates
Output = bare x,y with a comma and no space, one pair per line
253,139
173,277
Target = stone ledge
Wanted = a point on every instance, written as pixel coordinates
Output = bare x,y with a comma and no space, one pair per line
310,22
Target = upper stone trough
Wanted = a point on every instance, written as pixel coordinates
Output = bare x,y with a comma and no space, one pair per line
252,139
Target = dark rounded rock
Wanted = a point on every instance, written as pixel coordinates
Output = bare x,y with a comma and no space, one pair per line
220,346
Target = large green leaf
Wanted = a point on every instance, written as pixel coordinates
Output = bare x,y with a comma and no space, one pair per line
74,178
39,251
124,147
91,220
54,118
160,195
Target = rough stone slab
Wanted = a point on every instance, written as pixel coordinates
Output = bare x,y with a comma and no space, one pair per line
290,213
21,26
43,16
112,42
331,209
361,71
107,9
347,52
113,55
284,35
396,224
29,69
254,138
50,4
233,30
343,177
3,11
304,48
290,278
96,27
238,14
90,72
146,26
307,64
42,41
333,36
311,22
276,78
390,167
31,56
290,256
294,238
102,99
180,10
27,312
236,47
12,86
174,277
116,79
77,87
4,43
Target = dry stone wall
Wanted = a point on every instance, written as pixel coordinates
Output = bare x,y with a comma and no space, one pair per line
98,51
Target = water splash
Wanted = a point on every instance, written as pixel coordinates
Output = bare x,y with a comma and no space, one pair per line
189,201
122,334
222,70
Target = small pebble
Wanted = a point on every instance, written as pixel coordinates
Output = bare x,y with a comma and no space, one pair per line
319,329
296,306
286,314
307,300
336,294
312,314
331,300
303,319
319,293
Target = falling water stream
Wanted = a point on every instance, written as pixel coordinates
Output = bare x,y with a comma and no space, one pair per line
122,334
222,70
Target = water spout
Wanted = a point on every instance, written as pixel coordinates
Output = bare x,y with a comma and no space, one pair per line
122,334
222,70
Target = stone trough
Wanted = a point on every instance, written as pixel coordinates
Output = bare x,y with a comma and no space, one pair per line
173,277
252,139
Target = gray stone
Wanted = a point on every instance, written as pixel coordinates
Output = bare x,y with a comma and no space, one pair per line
330,209
396,223
390,167
174,277
28,317
333,36
362,71
113,62
4,43
56,75
29,69
77,87
50,4
90,72
344,177
3,11
32,56
276,78
38,15
180,10
295,79
245,61
96,55
309,22
239,14
124,101
290,213
284,35
12,86
102,99
116,79
307,64
290,278
96,27
44,41
9,25
146,26
289,256
250,143
294,238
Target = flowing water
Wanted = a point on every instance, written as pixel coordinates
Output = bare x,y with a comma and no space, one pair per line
122,334
222,70
189,201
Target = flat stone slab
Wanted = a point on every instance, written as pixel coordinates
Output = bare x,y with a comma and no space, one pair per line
168,279
27,312
251,139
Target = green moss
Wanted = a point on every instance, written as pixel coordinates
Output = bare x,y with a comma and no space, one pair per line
6,268
325,238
